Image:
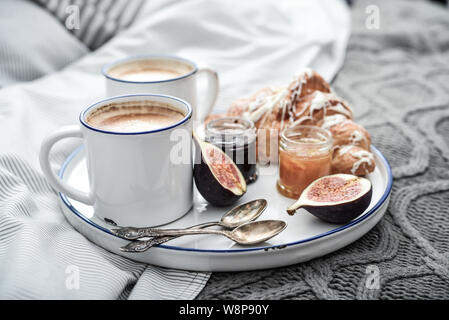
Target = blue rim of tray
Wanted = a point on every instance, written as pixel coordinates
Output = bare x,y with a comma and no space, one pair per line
266,248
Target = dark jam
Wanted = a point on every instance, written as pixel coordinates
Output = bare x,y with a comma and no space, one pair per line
237,138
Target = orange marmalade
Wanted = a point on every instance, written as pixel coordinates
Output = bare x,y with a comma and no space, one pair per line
305,154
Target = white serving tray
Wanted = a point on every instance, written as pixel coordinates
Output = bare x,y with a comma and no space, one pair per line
305,237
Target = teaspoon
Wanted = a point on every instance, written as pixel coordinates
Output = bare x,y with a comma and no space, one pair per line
237,216
246,234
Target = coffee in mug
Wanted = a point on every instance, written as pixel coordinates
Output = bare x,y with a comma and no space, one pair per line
144,70
134,178
163,74
134,117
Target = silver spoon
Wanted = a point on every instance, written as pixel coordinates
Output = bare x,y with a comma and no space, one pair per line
233,218
246,234
237,216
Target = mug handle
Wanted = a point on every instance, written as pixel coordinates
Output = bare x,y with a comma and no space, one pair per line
212,90
53,179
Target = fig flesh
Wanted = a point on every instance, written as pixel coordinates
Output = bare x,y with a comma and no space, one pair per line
338,198
217,177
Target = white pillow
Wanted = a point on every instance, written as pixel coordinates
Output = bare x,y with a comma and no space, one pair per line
33,43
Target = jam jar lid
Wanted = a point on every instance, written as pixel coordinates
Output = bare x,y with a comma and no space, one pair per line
306,137
233,131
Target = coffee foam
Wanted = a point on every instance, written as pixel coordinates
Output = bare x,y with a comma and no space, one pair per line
134,116
149,70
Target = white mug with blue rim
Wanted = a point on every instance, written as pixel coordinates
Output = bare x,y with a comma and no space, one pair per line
136,178
163,74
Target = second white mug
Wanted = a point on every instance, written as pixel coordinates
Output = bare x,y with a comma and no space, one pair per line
163,74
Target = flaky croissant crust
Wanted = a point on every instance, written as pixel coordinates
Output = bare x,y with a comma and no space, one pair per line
308,99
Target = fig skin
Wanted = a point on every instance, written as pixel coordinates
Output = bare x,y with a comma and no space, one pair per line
341,213
336,211
208,186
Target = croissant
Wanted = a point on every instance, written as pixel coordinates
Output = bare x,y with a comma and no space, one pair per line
314,107
353,160
346,132
307,100
273,109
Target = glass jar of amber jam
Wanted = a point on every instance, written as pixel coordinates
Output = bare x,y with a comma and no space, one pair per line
305,154
237,138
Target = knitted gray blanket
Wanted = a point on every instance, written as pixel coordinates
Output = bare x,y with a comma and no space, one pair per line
396,77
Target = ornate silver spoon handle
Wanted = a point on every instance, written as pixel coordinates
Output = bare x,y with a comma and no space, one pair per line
144,245
131,233
184,232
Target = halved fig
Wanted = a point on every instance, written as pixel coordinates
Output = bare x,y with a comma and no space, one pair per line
217,177
338,198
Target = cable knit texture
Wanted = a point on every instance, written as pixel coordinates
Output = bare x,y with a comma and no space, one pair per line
397,80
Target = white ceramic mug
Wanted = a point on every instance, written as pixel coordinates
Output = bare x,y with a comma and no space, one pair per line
183,86
133,180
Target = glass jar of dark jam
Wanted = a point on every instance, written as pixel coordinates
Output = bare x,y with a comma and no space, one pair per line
237,138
